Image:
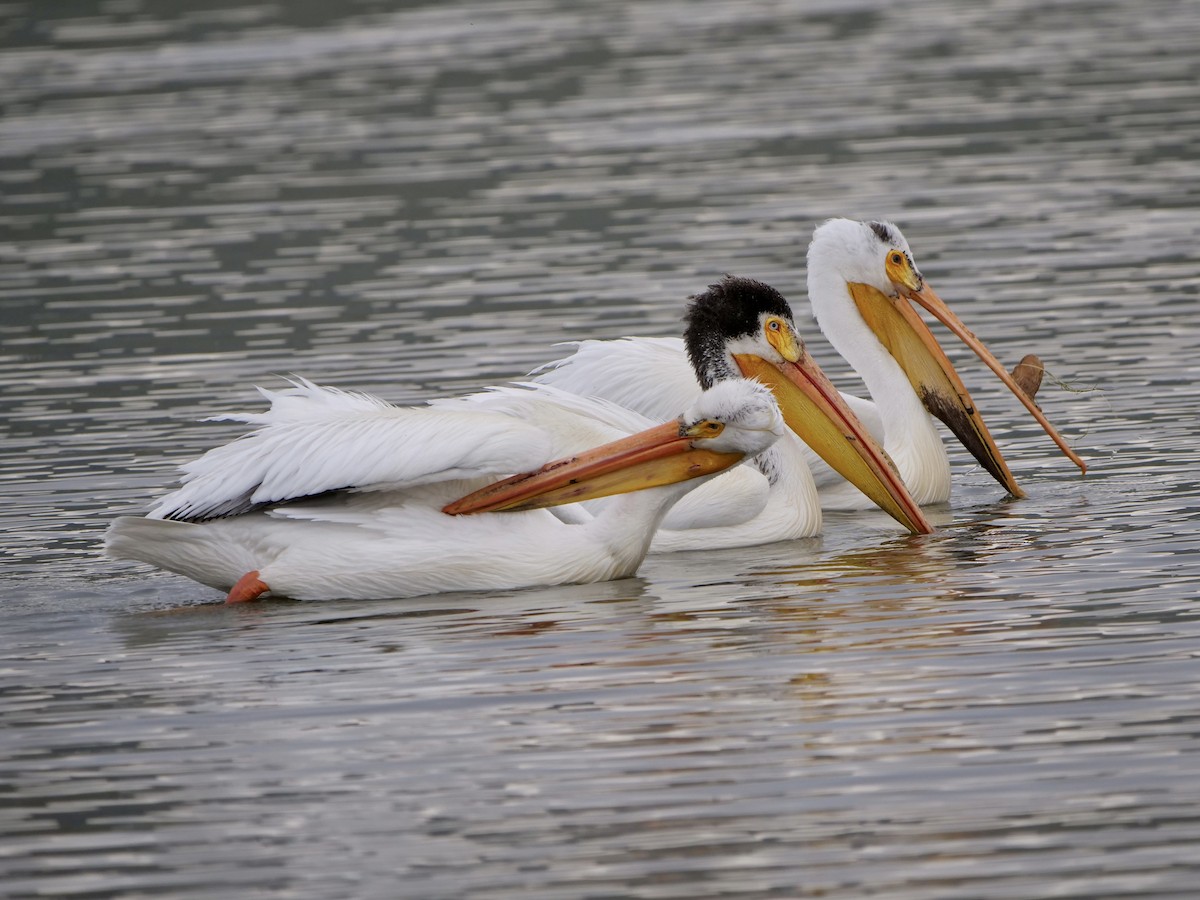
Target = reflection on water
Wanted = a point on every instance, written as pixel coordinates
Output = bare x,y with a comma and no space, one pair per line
421,201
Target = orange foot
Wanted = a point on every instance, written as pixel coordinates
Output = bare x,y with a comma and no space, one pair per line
249,587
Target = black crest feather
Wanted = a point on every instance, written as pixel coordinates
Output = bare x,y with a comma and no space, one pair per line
885,234
729,309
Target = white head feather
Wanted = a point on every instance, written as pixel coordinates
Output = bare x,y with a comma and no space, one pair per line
750,414
855,251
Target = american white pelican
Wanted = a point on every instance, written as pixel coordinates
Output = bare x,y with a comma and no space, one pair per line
342,495
861,276
855,269
741,328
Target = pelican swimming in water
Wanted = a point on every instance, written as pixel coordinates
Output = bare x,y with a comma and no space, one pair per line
342,495
740,328
861,277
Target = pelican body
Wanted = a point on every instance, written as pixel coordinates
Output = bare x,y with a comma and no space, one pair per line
342,495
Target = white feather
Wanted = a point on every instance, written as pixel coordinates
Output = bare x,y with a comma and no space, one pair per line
649,375
315,439
572,422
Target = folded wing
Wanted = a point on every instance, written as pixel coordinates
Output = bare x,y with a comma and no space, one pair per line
314,440
649,375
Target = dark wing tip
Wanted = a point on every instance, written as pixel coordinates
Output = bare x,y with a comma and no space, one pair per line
197,512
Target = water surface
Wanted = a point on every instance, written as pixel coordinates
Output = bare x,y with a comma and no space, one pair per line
421,201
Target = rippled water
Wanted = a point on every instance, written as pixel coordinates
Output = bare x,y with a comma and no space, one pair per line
421,201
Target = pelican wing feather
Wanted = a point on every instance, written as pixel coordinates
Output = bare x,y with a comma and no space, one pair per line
314,440
650,375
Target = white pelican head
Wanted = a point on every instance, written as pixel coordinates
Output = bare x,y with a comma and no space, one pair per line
747,411
871,253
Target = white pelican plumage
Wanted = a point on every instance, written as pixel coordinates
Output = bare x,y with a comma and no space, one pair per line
342,495
741,328
861,277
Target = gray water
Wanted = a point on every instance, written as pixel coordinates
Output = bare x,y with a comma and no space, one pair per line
420,201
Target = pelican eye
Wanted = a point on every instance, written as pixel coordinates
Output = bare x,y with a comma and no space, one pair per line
897,259
710,427
774,325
